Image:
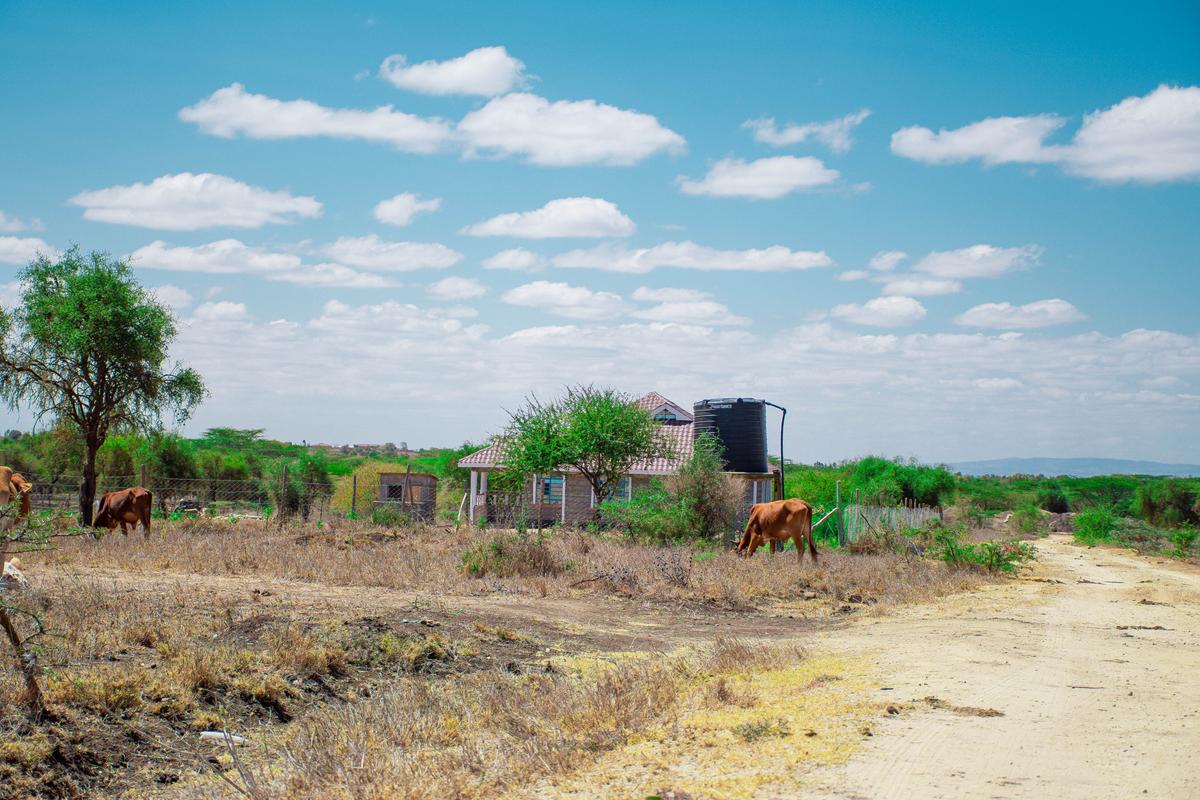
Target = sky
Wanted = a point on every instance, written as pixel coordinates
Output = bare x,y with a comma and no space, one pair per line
948,231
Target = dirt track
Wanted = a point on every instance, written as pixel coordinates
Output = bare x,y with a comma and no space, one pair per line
1097,699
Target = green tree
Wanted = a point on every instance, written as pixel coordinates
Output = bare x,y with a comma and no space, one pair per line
601,433
88,346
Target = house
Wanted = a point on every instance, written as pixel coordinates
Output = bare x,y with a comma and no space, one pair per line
567,497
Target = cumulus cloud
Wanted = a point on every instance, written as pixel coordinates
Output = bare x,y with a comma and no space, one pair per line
835,134
564,132
1154,138
883,312
979,261
188,202
172,296
231,256
400,209
221,311
998,140
232,111
517,259
1039,314
456,288
10,294
22,250
585,217
564,300
485,71
766,178
11,224
372,253
691,312
853,275
226,256
689,255
919,287
668,295
886,260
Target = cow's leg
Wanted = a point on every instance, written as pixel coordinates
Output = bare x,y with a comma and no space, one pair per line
124,529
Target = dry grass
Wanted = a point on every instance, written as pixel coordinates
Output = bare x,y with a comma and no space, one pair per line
491,732
470,562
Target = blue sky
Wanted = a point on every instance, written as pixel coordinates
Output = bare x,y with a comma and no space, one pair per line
1036,165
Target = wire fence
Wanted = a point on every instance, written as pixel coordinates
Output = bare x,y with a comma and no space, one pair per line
213,496
858,519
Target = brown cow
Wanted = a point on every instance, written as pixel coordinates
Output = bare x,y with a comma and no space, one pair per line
776,523
13,484
124,507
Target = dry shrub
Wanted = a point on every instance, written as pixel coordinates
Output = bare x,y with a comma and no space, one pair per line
304,654
505,555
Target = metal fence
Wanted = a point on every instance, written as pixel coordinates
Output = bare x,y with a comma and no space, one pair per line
250,497
859,518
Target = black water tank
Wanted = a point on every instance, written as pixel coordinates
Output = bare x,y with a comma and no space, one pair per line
741,425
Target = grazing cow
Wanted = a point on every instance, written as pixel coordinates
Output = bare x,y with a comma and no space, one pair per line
124,507
776,523
13,484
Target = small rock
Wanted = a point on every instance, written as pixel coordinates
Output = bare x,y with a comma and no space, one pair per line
810,595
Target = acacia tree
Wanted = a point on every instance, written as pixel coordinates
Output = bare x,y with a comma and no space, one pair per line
87,346
601,433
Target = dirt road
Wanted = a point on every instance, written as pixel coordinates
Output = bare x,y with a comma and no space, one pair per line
1094,662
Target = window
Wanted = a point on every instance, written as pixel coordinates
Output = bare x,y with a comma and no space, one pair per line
665,416
624,490
549,490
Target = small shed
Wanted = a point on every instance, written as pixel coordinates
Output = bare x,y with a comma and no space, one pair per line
414,493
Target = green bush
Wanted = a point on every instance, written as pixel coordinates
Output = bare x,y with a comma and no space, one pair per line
506,555
1167,504
391,517
1052,498
1095,525
1030,519
948,545
1183,539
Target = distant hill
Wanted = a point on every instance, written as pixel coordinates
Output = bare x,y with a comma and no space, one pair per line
1076,467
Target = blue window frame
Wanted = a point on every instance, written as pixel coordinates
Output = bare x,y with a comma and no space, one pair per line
549,490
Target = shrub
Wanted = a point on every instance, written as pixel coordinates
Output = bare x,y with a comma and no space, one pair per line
1095,525
1167,504
391,517
1029,519
1183,539
1052,498
506,555
948,545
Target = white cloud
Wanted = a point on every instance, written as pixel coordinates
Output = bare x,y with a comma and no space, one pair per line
517,259
231,111
588,217
884,312
1149,139
485,71
668,295
16,224
221,311
689,255
853,275
692,312
401,209
10,294
371,252
997,384
835,134
886,260
226,256
919,287
230,256
456,288
565,132
766,178
1039,314
565,300
997,140
1154,138
979,261
22,250
188,202
172,296
327,275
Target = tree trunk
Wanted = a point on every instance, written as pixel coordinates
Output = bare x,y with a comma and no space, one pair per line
29,666
87,487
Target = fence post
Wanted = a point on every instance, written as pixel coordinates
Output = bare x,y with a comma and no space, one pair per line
283,483
354,494
837,501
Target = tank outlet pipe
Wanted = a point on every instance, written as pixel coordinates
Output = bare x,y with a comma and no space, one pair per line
782,463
